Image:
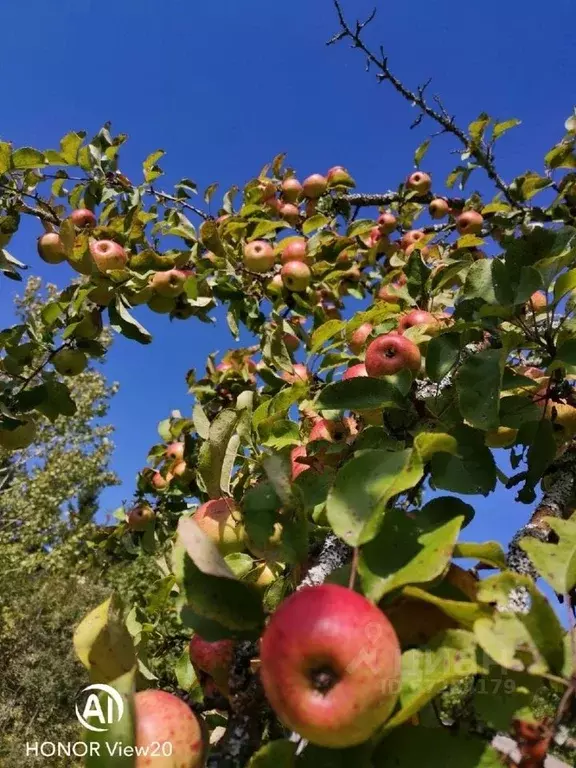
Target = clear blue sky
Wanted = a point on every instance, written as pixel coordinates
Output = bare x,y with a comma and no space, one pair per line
224,85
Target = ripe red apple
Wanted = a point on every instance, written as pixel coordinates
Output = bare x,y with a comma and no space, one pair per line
140,516
217,519
439,208
299,451
51,248
377,237
162,718
416,317
330,431
299,374
354,371
290,212
170,283
296,250
175,451
296,276
291,190
387,222
108,255
330,665
469,223
213,658
386,295
314,186
274,204
159,482
83,218
419,182
69,362
538,301
411,237
390,354
338,176
358,338
259,256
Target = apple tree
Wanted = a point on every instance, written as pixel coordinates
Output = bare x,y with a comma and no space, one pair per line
307,518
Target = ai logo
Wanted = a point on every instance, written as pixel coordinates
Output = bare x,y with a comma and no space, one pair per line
107,711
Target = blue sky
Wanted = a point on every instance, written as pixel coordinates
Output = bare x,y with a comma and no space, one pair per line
224,85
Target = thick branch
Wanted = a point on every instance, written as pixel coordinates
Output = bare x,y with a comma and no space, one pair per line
333,555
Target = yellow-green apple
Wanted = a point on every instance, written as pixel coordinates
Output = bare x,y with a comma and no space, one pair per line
387,222
419,182
69,362
338,176
314,186
264,575
20,437
411,237
140,517
83,218
169,283
218,519
108,255
274,287
439,208
51,248
296,276
259,256
290,213
501,437
416,317
175,451
299,374
359,337
469,223
214,658
291,190
391,354
162,718
296,250
330,665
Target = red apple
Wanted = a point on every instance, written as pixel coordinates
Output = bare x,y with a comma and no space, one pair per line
259,256
330,665
330,431
291,190
159,481
217,519
411,237
358,338
83,218
299,374
419,182
338,176
416,317
51,248
391,354
169,283
354,372
387,222
140,516
162,718
290,212
296,250
175,451
439,208
423,250
299,451
296,276
108,255
469,223
314,186
213,658
538,302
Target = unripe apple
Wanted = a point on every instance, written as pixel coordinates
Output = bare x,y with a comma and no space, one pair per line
330,665
214,658
314,186
169,283
299,374
83,218
51,248
416,317
391,354
291,190
411,237
259,256
161,304
69,362
502,437
538,302
338,176
140,517
271,550
264,575
296,250
387,223
439,208
108,255
358,338
20,437
90,326
162,718
296,276
354,371
216,519
299,451
419,182
175,451
469,223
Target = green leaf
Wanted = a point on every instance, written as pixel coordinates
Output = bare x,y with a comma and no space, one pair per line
357,502
401,554
209,192
406,747
118,732
26,157
213,451
324,332
531,184
58,401
443,508
152,171
103,643
5,154
420,152
562,155
489,552
122,322
442,355
201,422
69,146
479,282
361,393
477,128
463,611
185,673
501,128
314,222
564,284
275,754
567,352
478,384
555,562
502,696
472,471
